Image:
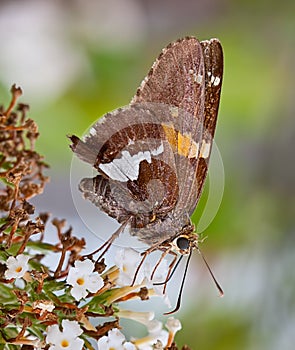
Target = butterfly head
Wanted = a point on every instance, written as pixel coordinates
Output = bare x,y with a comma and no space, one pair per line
186,241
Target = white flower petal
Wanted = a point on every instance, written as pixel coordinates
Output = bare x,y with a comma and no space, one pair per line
124,279
79,292
167,300
144,347
73,275
22,259
154,327
52,333
72,328
85,267
59,339
10,274
127,259
156,333
103,343
76,344
94,283
173,325
129,346
116,338
162,336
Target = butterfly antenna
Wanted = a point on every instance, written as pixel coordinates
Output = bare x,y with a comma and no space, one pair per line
170,275
182,285
218,286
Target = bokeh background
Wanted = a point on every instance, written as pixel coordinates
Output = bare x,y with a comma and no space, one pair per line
76,60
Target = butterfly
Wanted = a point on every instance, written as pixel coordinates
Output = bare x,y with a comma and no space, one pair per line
152,156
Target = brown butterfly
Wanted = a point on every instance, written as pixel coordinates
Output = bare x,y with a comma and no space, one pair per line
152,156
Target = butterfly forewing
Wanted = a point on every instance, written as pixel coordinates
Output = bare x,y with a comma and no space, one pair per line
177,78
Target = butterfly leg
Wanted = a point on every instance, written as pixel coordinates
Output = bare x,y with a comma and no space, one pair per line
106,245
171,265
144,255
165,252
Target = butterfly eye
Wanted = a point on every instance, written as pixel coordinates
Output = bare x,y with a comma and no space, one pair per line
182,243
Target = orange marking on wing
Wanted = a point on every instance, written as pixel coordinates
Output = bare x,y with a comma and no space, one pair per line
182,144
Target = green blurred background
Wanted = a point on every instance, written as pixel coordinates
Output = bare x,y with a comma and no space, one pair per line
76,60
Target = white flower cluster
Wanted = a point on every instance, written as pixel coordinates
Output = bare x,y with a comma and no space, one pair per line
68,337
84,279
115,340
128,259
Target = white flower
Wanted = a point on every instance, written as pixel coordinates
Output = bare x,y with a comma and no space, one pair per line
129,346
83,279
173,325
127,260
156,335
17,266
154,327
67,339
115,340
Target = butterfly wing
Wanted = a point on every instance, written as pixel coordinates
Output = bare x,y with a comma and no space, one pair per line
175,78
135,162
152,156
213,59
187,75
